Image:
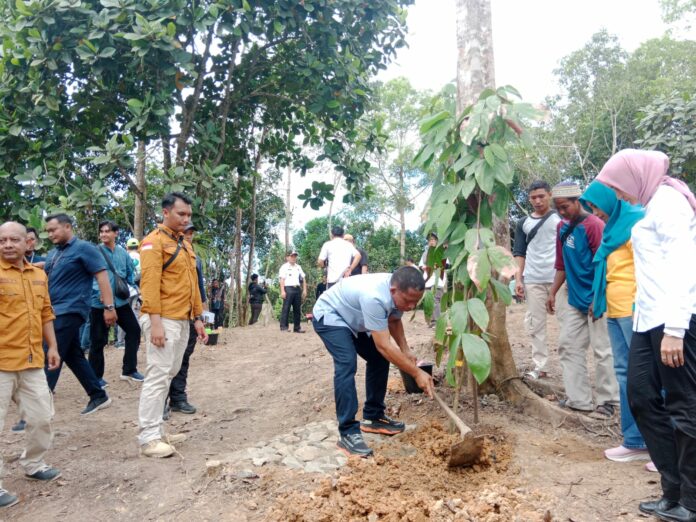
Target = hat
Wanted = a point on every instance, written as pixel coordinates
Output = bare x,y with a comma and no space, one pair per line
566,189
132,242
292,253
190,226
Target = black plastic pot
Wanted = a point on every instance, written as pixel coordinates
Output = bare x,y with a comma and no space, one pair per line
410,382
212,339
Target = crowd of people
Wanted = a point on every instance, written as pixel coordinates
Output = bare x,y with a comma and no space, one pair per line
612,263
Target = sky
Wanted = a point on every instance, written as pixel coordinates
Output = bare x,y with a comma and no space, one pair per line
529,38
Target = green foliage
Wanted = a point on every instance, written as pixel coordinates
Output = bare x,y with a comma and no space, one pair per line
474,173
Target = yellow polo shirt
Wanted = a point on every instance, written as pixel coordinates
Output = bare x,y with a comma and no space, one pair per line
25,307
621,282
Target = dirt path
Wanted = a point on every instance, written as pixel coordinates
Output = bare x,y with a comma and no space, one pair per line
259,384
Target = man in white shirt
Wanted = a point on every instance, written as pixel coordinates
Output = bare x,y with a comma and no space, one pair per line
338,256
293,289
535,252
431,276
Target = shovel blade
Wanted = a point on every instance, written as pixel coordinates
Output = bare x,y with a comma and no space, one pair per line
465,453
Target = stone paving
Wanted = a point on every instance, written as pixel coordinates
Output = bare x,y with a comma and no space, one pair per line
310,448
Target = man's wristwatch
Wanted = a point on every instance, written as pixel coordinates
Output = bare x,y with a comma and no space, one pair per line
198,318
110,307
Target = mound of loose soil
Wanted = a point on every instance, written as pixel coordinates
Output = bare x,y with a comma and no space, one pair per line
418,486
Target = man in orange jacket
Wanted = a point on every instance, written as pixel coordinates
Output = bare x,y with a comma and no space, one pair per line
26,319
171,299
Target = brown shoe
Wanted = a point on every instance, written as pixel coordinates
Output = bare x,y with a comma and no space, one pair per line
157,449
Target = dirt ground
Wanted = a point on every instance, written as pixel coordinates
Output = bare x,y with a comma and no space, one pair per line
259,383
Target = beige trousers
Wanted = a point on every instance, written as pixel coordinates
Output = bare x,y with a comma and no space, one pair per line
162,366
535,319
578,331
29,389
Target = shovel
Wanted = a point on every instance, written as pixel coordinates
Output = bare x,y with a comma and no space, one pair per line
468,450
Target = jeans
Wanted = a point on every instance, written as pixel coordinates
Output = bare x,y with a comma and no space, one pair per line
344,349
100,337
293,298
255,312
668,425
85,335
67,328
620,333
177,389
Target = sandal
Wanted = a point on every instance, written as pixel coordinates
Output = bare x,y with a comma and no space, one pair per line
603,412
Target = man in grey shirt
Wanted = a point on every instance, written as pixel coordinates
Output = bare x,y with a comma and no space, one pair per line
535,251
361,315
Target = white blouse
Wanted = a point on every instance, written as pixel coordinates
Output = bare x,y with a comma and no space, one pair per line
664,249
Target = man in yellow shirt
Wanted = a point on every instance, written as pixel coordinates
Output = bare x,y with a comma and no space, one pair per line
171,299
26,317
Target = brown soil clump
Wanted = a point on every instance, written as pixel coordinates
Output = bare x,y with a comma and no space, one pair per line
419,486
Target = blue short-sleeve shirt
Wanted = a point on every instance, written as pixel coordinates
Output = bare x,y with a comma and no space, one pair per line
362,303
70,269
124,268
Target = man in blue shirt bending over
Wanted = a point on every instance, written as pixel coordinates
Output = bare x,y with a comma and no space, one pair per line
361,315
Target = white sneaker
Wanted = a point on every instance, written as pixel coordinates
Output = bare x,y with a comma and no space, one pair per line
156,448
622,454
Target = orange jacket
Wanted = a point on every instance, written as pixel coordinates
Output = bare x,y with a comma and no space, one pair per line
25,307
172,293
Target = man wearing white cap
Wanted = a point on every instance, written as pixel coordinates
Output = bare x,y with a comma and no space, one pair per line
293,289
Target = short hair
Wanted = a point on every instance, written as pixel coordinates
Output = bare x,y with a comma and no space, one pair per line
432,235
408,277
61,218
32,229
337,231
254,277
410,260
539,184
169,199
113,227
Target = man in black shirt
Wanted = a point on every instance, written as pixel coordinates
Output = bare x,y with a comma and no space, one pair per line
256,297
362,265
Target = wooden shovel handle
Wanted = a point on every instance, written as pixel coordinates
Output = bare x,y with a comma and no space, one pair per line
463,428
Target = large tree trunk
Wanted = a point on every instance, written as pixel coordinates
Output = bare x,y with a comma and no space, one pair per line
140,193
475,72
288,212
238,254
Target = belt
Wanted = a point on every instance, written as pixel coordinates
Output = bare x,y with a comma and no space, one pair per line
292,286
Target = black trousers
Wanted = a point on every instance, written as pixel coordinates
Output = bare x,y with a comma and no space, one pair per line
667,424
293,298
67,328
99,337
219,316
177,389
255,312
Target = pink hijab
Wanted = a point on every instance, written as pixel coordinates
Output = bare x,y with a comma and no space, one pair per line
640,173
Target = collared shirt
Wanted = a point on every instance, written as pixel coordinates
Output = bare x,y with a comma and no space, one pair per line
361,303
34,258
540,254
71,268
172,293
291,274
25,306
124,268
664,249
575,257
339,253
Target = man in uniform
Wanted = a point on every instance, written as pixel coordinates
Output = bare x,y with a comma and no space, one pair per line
171,299
362,316
27,318
293,289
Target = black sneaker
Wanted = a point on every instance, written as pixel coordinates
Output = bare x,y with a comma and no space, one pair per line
96,405
383,426
353,444
46,474
7,499
182,407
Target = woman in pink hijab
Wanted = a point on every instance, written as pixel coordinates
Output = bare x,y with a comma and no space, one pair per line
663,346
